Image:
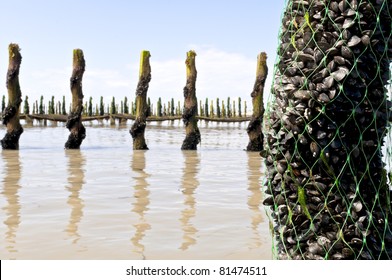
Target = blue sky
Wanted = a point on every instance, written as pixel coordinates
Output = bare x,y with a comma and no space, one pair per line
227,36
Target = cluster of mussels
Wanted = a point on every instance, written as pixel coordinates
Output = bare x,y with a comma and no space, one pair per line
11,139
77,129
327,185
139,126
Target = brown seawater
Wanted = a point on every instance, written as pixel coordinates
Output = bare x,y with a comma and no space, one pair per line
106,201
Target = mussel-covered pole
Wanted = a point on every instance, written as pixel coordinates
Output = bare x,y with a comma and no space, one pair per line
74,119
142,108
192,137
254,128
330,195
11,112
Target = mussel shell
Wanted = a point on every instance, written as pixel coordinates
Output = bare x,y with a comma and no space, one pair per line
303,95
340,74
348,22
354,40
315,149
357,206
323,98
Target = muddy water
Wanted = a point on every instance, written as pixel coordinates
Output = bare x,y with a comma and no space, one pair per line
106,201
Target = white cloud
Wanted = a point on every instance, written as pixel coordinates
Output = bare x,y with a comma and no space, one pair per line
168,79
220,74
96,78
46,82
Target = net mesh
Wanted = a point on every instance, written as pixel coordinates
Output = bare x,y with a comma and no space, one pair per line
328,166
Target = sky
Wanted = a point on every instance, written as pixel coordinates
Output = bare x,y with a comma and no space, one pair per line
227,36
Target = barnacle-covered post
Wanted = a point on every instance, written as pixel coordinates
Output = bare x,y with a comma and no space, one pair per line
254,128
192,137
74,119
142,108
11,112
330,195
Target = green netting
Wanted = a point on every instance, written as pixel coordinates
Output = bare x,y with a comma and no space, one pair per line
328,167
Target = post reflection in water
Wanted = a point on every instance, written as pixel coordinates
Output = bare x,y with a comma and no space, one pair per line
10,192
76,165
255,197
141,195
189,187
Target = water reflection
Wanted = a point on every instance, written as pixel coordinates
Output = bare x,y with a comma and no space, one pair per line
76,165
189,186
255,198
10,191
140,206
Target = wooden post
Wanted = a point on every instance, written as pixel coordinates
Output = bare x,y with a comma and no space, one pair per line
11,112
192,137
142,109
256,122
239,107
74,123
